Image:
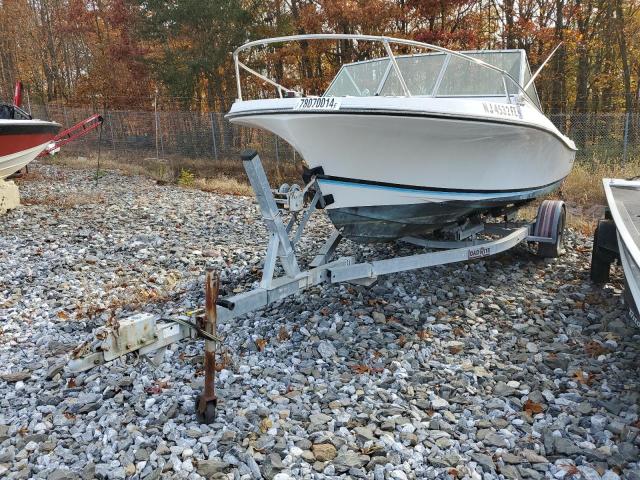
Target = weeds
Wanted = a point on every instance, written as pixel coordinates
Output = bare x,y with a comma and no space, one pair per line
186,178
582,190
66,201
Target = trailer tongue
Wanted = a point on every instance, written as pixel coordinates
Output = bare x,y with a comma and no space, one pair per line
79,130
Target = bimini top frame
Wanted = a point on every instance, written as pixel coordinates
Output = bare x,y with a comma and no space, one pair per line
386,42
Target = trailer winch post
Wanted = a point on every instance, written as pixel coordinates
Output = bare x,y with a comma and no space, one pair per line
207,401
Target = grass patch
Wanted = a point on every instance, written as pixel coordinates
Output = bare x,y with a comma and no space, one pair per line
583,193
223,185
583,186
66,201
582,190
224,176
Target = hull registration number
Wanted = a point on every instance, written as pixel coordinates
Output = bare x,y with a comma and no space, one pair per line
502,109
318,103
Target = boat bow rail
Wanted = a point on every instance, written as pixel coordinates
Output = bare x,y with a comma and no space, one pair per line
507,79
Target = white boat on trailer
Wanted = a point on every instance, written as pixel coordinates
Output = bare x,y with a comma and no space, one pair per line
617,237
411,144
376,188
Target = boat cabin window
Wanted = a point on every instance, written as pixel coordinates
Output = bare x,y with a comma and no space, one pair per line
436,74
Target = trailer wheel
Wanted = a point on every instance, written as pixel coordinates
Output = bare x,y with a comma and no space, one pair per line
604,251
550,223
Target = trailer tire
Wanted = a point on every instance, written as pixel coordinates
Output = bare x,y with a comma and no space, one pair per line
604,251
556,248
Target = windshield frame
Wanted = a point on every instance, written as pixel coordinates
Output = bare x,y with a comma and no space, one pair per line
386,42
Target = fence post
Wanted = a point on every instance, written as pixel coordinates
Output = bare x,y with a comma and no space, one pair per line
213,136
625,147
64,115
113,141
160,133
155,118
277,151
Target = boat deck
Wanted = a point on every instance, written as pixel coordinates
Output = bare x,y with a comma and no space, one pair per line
624,201
627,199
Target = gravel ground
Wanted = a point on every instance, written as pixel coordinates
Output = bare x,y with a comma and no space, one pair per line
512,367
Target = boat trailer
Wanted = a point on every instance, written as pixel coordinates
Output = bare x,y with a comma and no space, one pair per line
146,333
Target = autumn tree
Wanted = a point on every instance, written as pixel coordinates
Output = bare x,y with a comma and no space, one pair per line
190,44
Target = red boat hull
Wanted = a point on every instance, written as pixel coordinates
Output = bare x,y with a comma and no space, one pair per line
21,141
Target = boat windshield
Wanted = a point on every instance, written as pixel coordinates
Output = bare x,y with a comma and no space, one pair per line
435,74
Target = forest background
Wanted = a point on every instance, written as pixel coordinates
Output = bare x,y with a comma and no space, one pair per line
112,54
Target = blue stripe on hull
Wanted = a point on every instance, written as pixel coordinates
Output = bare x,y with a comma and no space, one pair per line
449,194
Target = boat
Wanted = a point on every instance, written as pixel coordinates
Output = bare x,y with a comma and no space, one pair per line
416,144
21,138
617,237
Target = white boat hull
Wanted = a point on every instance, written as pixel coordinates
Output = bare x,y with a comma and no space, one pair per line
10,164
413,168
623,197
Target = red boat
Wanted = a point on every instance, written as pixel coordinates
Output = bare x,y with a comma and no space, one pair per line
21,137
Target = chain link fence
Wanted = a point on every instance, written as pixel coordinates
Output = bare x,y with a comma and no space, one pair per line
604,137
184,135
132,134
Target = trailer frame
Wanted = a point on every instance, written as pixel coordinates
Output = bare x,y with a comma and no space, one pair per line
159,332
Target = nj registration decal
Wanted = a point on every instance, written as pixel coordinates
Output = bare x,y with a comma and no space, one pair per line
318,103
502,109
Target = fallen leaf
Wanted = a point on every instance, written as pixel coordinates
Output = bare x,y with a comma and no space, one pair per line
63,315
370,449
583,378
571,469
71,383
532,408
424,334
222,361
265,424
283,334
366,369
261,343
595,349
361,369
